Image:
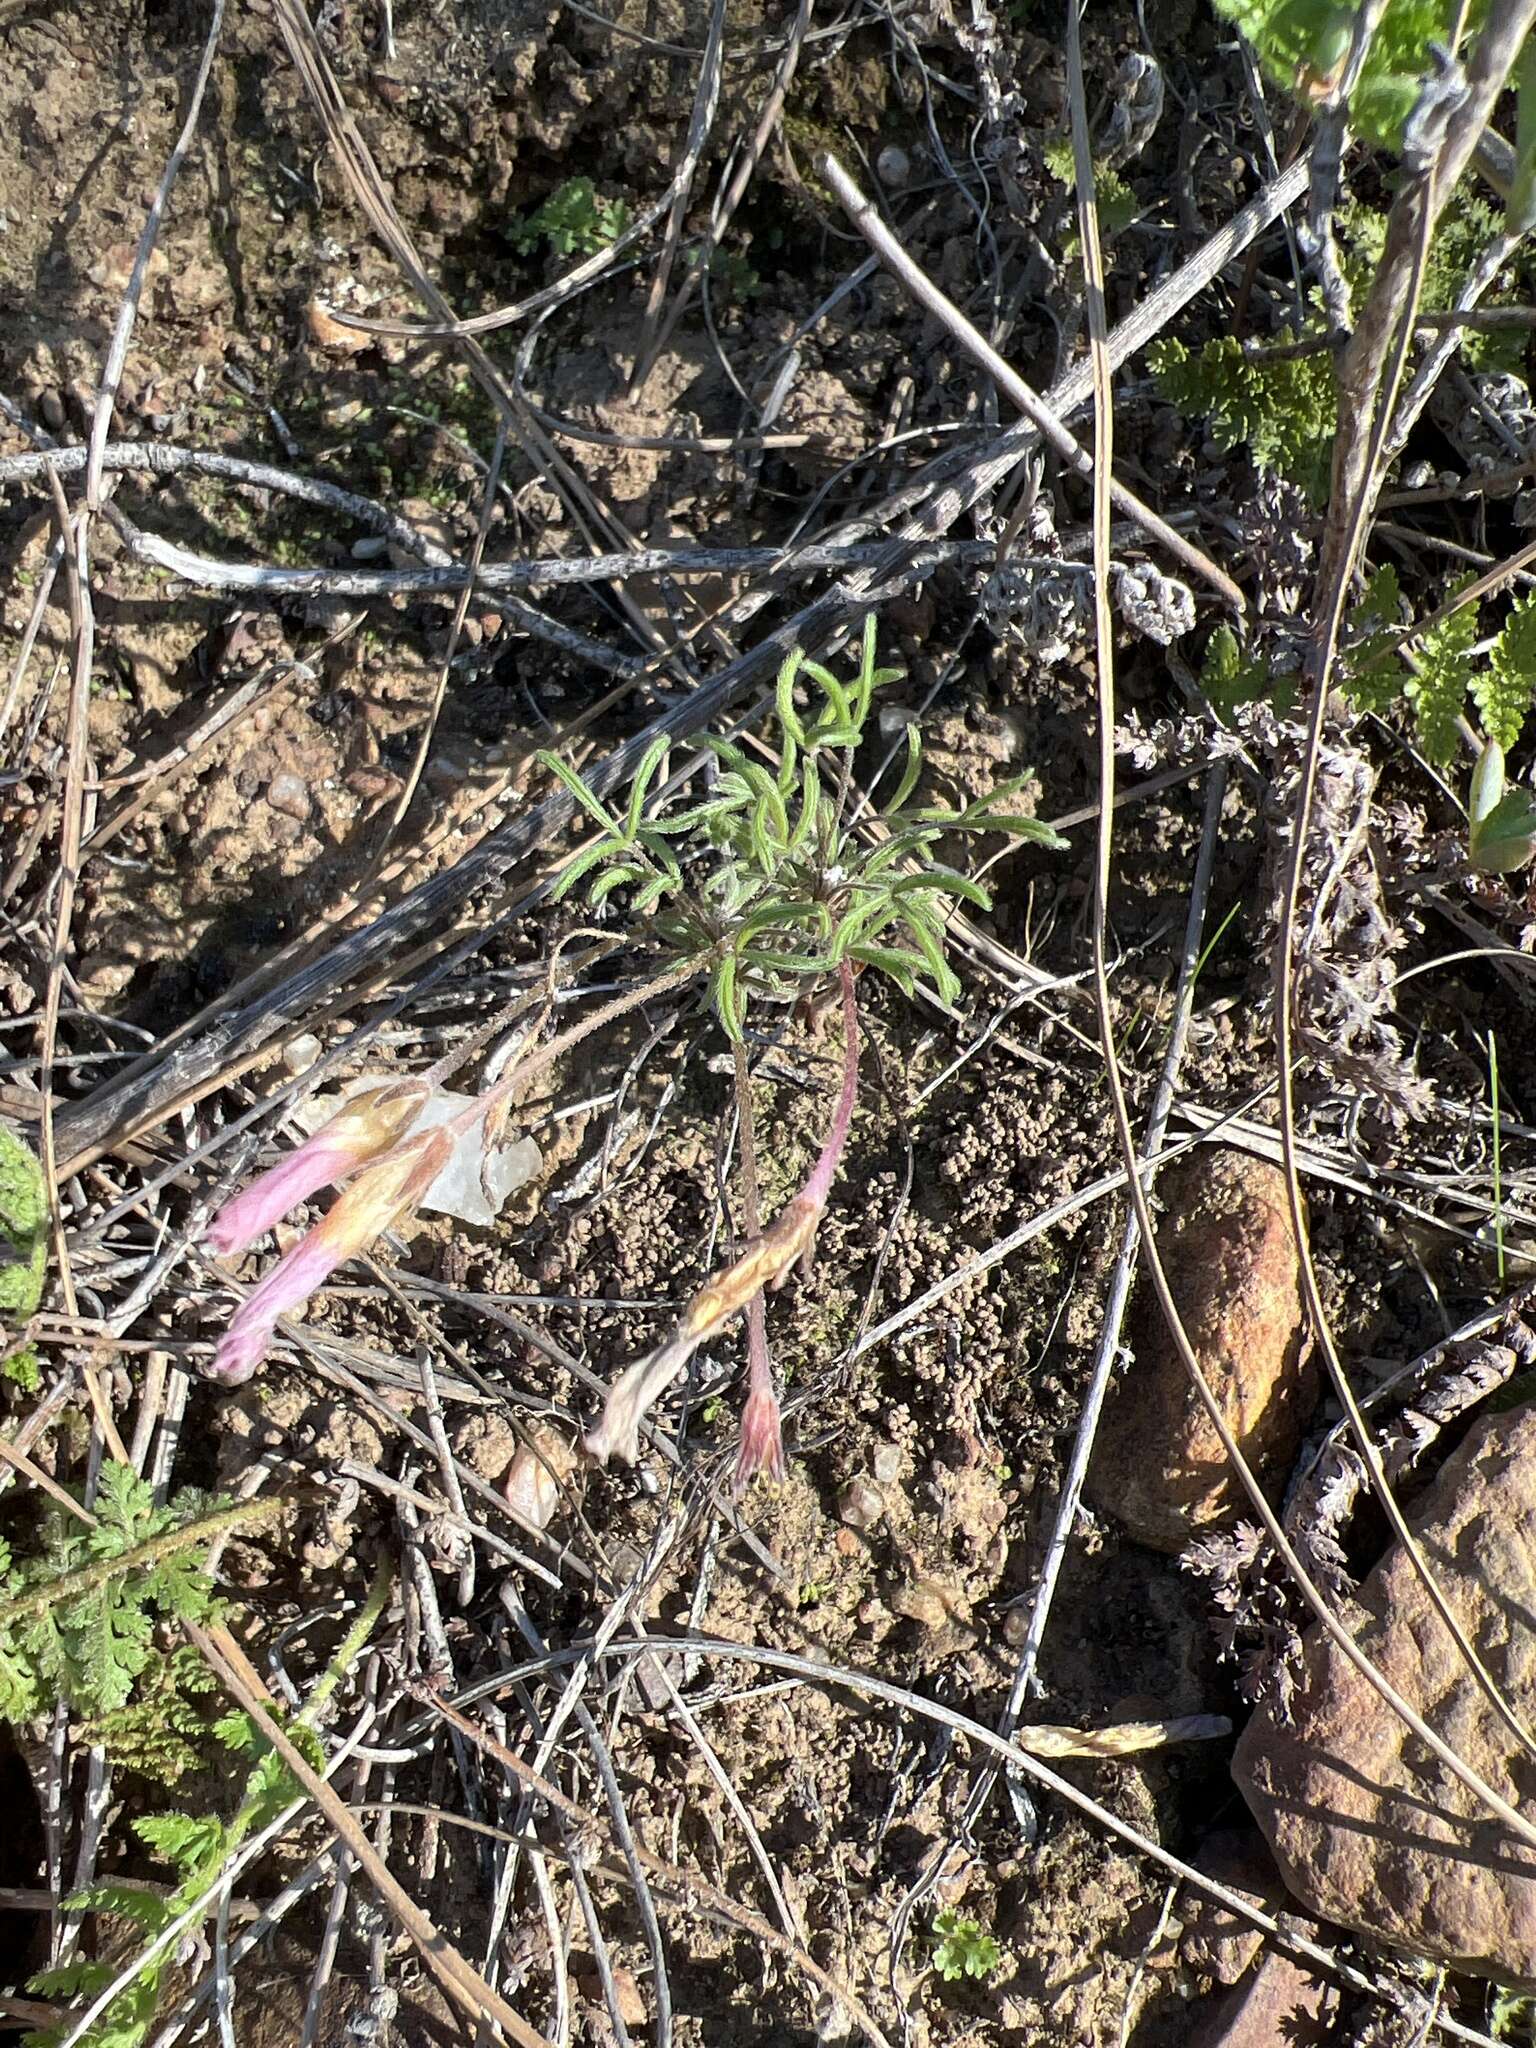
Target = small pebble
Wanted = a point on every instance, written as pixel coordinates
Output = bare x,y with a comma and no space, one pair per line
893,167
532,1484
328,333
300,1053
51,406
289,794
859,1505
921,1602
370,547
626,1995
886,1463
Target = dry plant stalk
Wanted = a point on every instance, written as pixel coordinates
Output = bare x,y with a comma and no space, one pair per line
765,1263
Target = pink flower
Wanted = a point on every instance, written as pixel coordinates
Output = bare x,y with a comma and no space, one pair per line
762,1440
362,1129
376,1200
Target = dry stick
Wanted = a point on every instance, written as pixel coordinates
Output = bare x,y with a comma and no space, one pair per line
1125,1265
1102,1369
1448,340
1337,1634
41,598
494,579
127,312
739,1916
741,177
1369,376
159,458
459,1979
206,573
83,619
151,1087
921,287
706,100
619,1822
1073,389
445,667
372,194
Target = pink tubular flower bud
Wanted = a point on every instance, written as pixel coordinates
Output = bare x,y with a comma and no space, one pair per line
762,1438
377,1199
360,1131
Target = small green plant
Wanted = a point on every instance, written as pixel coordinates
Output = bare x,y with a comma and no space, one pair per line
1438,670
962,1949
1280,400
767,887
766,883
1231,678
199,1849
1282,407
1117,204
573,221
80,1621
1449,667
1511,2014
1502,821
23,1252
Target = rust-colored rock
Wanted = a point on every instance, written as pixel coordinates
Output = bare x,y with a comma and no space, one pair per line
1368,1827
1233,1265
1280,2002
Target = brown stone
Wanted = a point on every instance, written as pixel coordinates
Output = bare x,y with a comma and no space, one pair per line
1217,1941
1232,1263
1368,1827
1280,2002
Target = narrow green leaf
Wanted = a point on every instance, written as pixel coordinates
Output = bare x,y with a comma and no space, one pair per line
910,771
784,698
590,802
650,761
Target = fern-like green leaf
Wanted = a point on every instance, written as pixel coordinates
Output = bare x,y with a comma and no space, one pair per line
1438,691
1371,672
1503,689
1283,408
23,1235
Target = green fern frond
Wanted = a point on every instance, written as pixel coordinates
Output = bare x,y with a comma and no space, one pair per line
1438,692
1503,689
1282,408
23,1238
1371,671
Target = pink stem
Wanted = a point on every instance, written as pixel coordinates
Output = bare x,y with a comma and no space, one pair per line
819,1186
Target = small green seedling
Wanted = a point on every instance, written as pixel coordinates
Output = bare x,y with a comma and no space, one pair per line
1502,820
1511,2014
573,221
767,880
962,1949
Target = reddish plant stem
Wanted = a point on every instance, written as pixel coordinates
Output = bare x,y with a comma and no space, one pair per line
764,1262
